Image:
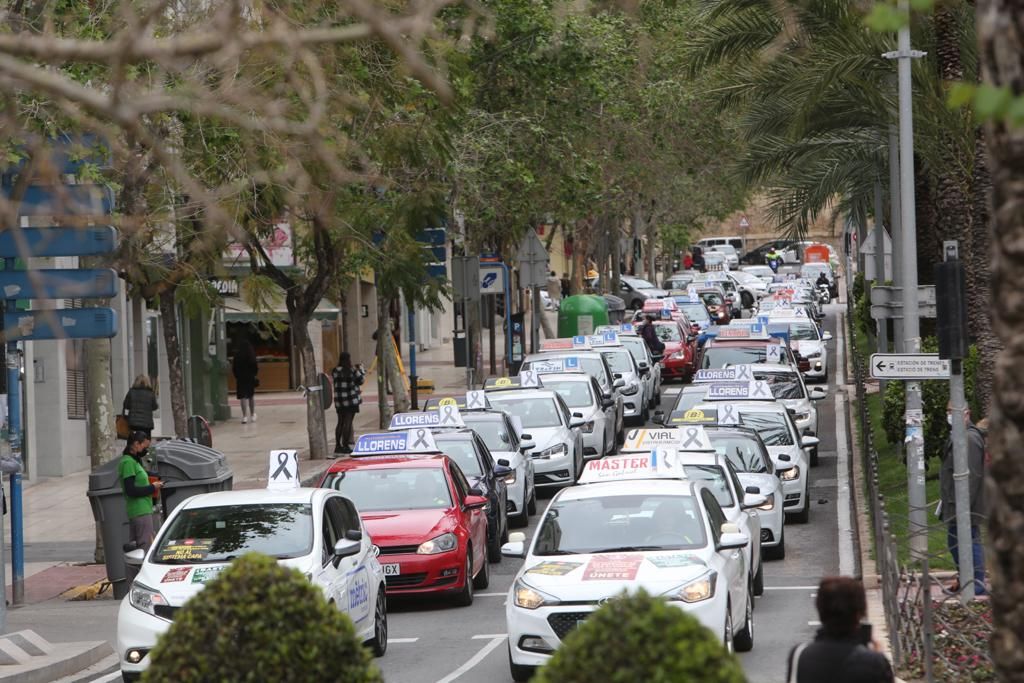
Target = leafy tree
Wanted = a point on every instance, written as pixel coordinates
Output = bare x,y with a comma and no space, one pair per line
259,621
655,642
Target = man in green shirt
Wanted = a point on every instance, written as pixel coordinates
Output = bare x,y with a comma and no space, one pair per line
138,492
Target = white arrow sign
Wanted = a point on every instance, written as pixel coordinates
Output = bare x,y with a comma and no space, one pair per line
908,366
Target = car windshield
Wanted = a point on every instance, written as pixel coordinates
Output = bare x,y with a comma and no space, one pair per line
812,271
591,365
690,397
575,394
803,331
696,312
534,412
223,532
723,356
711,298
637,347
773,428
462,452
784,386
621,524
725,248
714,257
620,360
745,277
639,284
492,431
668,333
714,477
393,488
743,452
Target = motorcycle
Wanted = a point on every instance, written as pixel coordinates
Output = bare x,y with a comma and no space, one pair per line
824,295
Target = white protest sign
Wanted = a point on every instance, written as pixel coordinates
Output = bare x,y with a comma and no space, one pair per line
283,472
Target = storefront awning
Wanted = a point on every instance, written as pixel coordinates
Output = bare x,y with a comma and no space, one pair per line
237,311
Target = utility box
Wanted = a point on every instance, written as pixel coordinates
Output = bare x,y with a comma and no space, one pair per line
581,314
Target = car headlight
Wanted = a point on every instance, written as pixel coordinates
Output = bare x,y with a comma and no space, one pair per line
800,417
146,599
791,474
697,590
440,544
813,354
679,355
721,314
553,451
588,427
528,597
631,389
510,478
769,504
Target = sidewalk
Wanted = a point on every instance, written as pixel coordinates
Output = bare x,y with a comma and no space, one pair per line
58,523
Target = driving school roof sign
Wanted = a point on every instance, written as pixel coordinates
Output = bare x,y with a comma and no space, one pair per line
746,391
444,416
733,373
552,365
527,379
695,416
683,439
659,463
396,443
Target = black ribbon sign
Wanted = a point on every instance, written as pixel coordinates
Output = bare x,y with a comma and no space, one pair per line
448,415
758,390
727,415
421,439
282,467
743,373
473,400
691,437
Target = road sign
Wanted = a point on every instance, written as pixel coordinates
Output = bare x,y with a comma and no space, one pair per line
65,200
492,278
58,284
58,241
908,366
65,323
887,302
744,223
533,261
466,277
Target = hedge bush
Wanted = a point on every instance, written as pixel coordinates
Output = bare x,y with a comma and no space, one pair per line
641,638
259,621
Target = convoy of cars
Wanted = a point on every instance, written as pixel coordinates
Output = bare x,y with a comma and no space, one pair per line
686,509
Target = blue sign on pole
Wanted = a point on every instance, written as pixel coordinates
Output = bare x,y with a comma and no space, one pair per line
65,200
48,283
57,242
64,323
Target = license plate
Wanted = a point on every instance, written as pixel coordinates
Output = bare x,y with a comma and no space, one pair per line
392,569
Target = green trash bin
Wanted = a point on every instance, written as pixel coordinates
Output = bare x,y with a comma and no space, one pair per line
581,314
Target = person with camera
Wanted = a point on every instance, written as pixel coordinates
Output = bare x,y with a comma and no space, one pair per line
842,651
139,490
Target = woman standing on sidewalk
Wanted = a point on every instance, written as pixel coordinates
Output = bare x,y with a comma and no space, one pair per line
139,405
138,491
347,397
246,368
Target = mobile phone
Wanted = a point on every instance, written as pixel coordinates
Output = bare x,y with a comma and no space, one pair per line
864,633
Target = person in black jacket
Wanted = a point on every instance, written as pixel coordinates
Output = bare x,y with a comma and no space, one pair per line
246,368
838,654
139,405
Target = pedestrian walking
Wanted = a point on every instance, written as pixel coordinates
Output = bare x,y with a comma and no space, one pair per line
687,260
566,287
347,398
979,511
139,406
650,337
139,490
554,288
842,651
246,370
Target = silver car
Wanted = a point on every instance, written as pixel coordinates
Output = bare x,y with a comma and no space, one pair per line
593,363
634,402
499,433
788,387
650,371
582,394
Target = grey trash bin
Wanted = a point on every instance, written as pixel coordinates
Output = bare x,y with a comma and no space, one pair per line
616,308
185,468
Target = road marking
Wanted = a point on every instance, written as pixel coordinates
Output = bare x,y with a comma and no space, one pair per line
671,391
791,588
475,659
109,678
490,636
840,349
399,641
844,517
814,623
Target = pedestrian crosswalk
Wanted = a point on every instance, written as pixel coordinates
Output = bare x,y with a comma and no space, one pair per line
107,670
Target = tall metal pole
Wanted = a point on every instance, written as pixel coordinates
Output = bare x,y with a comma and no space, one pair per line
911,324
883,323
895,231
413,379
14,437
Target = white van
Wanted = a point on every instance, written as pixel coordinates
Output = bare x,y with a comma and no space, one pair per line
740,243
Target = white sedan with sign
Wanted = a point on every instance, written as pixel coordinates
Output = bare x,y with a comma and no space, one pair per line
629,526
315,531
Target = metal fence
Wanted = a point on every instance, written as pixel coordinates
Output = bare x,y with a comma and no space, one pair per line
934,637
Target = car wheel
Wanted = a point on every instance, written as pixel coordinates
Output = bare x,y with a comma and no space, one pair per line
520,673
464,598
814,457
483,577
759,579
531,507
494,548
743,641
777,552
379,643
727,637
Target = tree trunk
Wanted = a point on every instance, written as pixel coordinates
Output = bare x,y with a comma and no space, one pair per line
979,280
581,243
172,345
652,251
316,424
1001,54
616,257
383,330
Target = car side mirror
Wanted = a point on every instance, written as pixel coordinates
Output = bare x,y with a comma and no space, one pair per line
135,558
474,501
502,470
516,546
619,383
643,365
617,375
659,417
785,458
732,540
526,445
475,491
818,394
504,463
346,548
827,336
809,441
607,402
525,437
756,490
576,423
354,534
578,416
751,501
644,370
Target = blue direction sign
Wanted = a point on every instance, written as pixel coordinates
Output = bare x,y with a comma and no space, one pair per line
65,200
49,283
68,323
58,242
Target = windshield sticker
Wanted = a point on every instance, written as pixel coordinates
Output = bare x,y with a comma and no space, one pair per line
204,574
613,568
186,550
667,561
175,575
554,568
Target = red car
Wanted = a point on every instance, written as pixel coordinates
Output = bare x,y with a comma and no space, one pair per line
430,526
680,358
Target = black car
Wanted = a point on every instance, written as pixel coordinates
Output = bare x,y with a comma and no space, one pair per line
756,257
467,449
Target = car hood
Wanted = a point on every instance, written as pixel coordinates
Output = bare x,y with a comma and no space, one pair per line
545,437
406,527
808,347
654,293
594,577
179,582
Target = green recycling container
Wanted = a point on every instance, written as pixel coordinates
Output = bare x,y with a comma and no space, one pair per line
581,314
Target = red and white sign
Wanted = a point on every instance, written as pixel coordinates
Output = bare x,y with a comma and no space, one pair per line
564,344
613,567
278,247
744,223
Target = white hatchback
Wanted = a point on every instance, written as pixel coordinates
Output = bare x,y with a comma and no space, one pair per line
315,531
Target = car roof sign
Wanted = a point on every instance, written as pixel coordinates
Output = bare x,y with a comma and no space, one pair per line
473,400
396,443
562,344
732,373
507,383
754,331
698,416
608,338
757,390
658,463
685,439
444,416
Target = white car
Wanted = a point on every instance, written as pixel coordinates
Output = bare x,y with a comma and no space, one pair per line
316,531
594,364
498,430
558,444
763,273
788,387
582,394
808,340
731,256
748,282
650,371
635,404
585,551
788,449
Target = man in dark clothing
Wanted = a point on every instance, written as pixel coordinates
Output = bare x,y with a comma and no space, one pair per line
837,654
566,286
976,484
138,491
823,280
650,337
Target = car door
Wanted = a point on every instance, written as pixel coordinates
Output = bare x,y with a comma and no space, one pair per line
735,566
515,446
474,520
354,576
498,492
748,521
609,412
329,577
